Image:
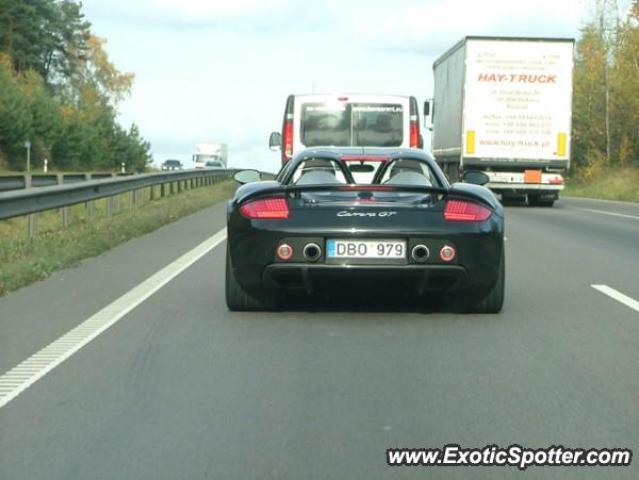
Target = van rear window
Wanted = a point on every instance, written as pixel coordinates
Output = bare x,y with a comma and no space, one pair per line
352,124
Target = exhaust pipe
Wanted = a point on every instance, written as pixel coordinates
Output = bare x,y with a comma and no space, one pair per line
312,252
420,253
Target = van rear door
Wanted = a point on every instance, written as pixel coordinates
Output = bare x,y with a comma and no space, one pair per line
351,120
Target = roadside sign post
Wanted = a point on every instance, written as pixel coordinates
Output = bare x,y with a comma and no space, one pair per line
27,145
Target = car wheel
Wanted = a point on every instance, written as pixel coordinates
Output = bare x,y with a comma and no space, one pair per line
237,299
494,301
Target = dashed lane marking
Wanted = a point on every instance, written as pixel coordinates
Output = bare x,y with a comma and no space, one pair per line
616,295
613,214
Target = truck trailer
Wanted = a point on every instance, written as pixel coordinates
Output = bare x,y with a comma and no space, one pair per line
210,153
503,106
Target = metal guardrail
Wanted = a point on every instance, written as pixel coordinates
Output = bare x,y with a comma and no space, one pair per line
32,200
20,181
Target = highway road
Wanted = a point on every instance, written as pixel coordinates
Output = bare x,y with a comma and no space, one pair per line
160,381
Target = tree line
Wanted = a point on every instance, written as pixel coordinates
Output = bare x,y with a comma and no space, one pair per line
606,91
60,91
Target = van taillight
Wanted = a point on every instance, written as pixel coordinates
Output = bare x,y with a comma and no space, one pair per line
414,140
287,141
463,211
414,134
266,209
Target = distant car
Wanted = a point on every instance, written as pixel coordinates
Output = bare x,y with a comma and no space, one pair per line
172,165
314,228
214,164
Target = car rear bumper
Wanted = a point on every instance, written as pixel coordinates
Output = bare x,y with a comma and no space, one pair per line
316,277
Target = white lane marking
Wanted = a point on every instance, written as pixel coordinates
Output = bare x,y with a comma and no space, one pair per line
620,297
623,215
25,374
601,200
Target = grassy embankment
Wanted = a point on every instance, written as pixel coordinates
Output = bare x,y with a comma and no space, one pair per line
24,260
616,184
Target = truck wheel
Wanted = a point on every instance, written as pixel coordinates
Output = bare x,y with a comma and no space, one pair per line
494,301
237,299
453,172
537,201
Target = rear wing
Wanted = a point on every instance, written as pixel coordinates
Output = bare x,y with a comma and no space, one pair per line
461,191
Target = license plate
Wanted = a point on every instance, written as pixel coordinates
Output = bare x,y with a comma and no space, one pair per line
381,249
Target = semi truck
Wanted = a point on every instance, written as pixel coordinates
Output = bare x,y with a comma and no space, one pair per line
503,106
212,153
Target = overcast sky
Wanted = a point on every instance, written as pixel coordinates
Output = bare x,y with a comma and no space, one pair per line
217,70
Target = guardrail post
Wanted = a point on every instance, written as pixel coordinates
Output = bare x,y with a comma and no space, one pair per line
32,225
131,202
152,193
32,221
171,187
64,213
179,186
91,211
109,207
162,190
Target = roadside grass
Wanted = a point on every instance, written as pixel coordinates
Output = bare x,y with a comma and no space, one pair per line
24,260
615,184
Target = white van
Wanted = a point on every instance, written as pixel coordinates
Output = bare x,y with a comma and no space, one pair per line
347,120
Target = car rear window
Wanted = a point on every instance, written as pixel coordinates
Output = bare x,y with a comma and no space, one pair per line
352,124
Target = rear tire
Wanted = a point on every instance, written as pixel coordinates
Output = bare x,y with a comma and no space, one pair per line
237,299
494,301
453,173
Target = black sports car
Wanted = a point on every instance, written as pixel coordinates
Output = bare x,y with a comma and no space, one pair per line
347,218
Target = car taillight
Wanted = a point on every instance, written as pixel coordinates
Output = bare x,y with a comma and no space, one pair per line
414,134
287,150
284,251
447,253
463,211
266,209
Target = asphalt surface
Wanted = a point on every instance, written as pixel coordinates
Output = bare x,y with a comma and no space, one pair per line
181,388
